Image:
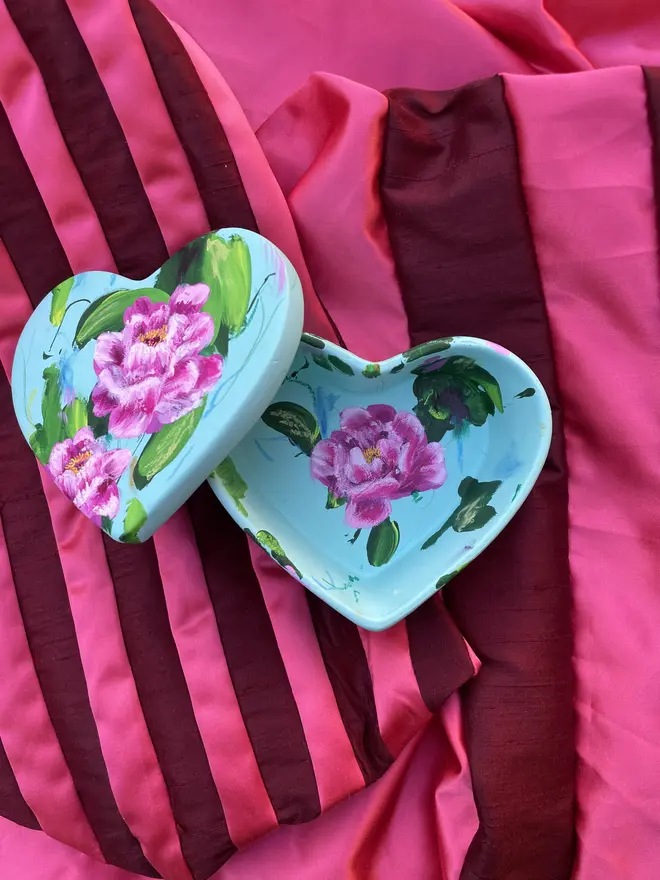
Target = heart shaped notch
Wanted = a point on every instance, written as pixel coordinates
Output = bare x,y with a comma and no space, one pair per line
375,483
131,392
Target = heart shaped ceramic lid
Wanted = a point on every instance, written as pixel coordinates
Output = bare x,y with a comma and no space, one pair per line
131,392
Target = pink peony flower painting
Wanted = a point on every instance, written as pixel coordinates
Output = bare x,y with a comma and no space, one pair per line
152,372
87,472
377,456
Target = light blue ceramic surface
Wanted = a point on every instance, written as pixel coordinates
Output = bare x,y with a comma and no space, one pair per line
131,399
375,509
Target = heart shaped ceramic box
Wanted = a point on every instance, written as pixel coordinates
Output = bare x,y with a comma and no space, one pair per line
375,484
372,484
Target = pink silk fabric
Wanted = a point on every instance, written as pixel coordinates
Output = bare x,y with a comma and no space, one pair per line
585,162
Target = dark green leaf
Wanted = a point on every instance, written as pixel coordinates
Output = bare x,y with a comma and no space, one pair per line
272,545
295,422
382,542
371,371
233,482
339,364
59,300
106,524
98,424
356,535
473,512
398,368
136,517
321,360
444,580
175,270
164,446
107,313
39,444
332,501
314,341
51,408
528,392
427,348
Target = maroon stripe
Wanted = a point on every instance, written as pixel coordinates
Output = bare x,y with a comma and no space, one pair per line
465,260
25,225
91,132
439,657
46,613
12,803
199,129
167,709
350,677
652,85
255,665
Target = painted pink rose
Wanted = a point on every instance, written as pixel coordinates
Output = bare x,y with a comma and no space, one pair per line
376,456
87,473
152,373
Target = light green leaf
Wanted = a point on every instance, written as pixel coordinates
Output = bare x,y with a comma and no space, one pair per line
75,415
39,443
371,371
340,365
382,542
51,408
333,502
473,512
314,341
233,482
136,517
295,422
272,545
164,446
107,313
528,392
427,348
321,360
59,300
175,270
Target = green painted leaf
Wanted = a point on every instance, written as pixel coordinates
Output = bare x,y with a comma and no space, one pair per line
444,580
98,424
427,348
321,360
333,502
314,341
528,392
398,368
473,512
39,443
59,300
295,422
136,517
51,408
107,313
164,446
272,545
356,535
339,364
226,267
371,371
175,270
106,524
233,482
382,542
75,416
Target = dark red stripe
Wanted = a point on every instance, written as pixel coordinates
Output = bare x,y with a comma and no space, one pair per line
167,709
439,657
12,803
91,132
652,85
199,129
255,664
25,225
465,259
46,613
350,677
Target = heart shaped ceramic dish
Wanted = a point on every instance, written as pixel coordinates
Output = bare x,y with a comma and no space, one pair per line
374,484
131,392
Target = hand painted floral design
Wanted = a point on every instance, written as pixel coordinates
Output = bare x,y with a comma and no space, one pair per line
87,472
376,456
152,372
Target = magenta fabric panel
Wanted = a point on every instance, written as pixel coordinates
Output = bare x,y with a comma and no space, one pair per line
464,254
587,162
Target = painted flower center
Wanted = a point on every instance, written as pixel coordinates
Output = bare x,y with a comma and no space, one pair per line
75,464
370,453
154,337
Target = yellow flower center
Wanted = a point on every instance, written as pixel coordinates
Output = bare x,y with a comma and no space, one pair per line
153,337
77,462
370,453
